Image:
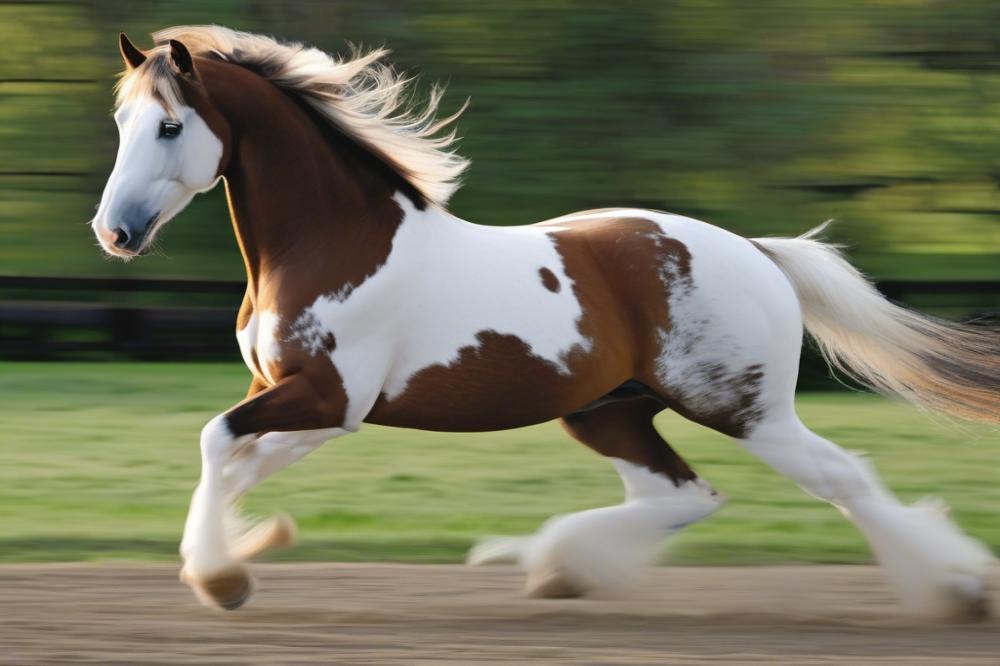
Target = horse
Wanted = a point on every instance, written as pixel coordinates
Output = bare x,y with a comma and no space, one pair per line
367,301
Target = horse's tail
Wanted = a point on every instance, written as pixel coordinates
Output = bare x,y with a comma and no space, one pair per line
949,367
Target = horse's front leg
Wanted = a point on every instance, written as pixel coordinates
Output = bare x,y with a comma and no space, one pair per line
212,569
271,453
253,463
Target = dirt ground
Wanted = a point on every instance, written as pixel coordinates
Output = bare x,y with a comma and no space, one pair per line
402,614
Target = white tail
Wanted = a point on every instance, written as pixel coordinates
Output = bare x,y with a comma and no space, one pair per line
950,367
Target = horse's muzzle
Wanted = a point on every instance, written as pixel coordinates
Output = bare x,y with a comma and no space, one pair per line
131,235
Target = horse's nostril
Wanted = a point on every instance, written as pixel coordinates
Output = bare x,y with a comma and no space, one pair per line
121,237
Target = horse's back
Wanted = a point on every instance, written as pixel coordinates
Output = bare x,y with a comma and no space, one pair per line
684,259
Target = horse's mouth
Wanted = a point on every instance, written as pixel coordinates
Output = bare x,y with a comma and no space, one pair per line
148,234
149,230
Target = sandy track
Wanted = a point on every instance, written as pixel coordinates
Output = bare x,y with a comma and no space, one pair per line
396,614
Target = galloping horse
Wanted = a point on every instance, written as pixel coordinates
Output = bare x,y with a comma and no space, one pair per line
367,301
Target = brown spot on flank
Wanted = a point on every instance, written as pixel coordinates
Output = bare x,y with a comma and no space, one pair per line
329,343
550,280
626,269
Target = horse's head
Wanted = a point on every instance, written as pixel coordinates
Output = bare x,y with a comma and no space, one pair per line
172,144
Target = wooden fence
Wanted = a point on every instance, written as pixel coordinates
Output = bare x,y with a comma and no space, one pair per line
43,318
48,318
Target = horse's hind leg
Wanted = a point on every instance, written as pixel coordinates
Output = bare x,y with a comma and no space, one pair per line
932,566
606,547
929,562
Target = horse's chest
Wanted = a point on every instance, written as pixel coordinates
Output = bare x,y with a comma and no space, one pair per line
260,345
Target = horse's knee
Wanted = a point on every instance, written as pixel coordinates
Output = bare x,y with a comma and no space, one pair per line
216,438
218,442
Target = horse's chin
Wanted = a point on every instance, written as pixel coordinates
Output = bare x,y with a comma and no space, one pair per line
124,255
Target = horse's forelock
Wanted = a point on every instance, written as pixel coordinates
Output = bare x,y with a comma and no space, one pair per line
154,78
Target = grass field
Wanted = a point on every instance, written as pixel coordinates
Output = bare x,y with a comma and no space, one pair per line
99,461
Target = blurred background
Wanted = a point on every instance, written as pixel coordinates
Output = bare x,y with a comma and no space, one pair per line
764,117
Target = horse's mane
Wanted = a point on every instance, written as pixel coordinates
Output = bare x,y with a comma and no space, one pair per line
361,96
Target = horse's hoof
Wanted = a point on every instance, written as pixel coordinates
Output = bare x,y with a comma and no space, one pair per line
553,585
969,601
227,589
977,610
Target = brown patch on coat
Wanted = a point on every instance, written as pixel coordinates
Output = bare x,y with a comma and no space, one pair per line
310,398
549,280
646,269
495,384
314,188
624,429
625,269
329,343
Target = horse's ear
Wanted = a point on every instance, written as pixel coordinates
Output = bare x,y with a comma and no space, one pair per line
181,58
132,56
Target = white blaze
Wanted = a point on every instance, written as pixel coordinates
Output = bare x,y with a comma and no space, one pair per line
154,175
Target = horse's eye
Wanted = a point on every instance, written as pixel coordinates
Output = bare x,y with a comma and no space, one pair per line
170,129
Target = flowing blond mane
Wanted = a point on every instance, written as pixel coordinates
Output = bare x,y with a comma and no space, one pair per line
363,97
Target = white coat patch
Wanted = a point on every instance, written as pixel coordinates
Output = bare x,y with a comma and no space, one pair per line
155,175
260,335
444,282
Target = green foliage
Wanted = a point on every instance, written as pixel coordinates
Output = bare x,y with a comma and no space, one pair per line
100,461
764,117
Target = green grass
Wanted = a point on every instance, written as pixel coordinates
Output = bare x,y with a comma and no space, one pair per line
98,462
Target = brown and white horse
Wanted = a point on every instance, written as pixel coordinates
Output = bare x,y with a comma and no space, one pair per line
367,301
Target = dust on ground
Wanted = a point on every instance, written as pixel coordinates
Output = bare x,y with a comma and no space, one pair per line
419,614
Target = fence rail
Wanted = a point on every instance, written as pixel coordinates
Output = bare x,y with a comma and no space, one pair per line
170,285
49,317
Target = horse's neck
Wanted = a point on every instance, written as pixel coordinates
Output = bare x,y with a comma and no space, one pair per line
303,209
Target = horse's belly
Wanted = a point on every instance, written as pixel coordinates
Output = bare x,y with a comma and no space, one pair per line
498,385
469,409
